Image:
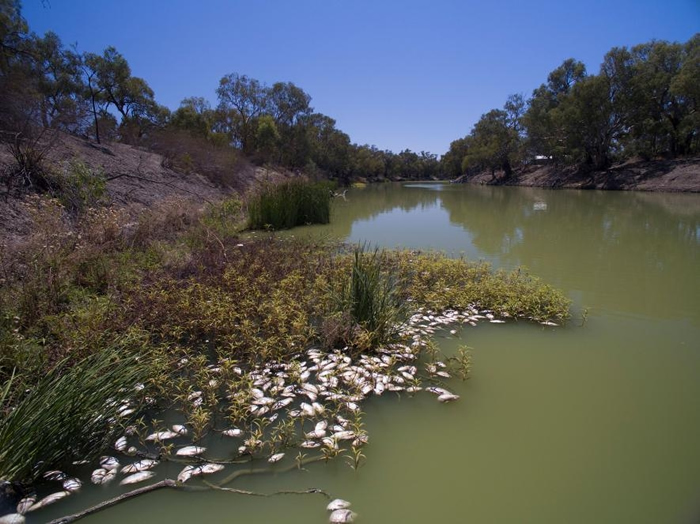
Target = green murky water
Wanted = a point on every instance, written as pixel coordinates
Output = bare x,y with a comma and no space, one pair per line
599,423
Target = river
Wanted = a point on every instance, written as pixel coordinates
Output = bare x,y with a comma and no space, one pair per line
598,421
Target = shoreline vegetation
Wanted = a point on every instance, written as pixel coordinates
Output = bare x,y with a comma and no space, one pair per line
270,343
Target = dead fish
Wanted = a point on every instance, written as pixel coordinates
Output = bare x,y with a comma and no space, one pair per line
49,500
180,429
281,403
193,471
338,504
307,409
137,477
12,518
120,444
103,476
341,516
319,409
330,442
311,396
443,374
55,475
316,434
72,485
276,457
190,451
495,321
186,474
310,444
233,432
26,503
549,323
344,435
141,465
257,393
310,387
194,395
448,397
162,435
360,440
209,468
437,391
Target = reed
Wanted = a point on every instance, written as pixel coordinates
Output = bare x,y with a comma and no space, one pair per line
373,297
70,414
289,204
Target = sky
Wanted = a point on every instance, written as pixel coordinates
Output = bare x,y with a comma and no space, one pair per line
399,74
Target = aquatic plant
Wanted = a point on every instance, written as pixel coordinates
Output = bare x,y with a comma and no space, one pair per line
72,413
288,204
371,299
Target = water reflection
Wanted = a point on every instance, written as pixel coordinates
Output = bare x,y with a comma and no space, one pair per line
632,253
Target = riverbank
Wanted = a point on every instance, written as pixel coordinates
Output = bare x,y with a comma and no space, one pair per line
679,175
130,178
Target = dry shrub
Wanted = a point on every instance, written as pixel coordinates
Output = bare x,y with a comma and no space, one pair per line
163,221
187,153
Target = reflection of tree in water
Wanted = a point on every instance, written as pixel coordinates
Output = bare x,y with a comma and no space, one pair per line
633,251
370,201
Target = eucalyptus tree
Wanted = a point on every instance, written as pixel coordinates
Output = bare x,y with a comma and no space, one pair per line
540,121
241,100
58,76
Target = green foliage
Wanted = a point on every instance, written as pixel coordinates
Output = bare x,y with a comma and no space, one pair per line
289,204
373,299
66,415
79,188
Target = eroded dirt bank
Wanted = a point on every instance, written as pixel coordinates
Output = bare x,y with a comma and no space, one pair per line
680,175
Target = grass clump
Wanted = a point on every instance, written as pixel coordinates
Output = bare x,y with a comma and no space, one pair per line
289,204
68,415
370,302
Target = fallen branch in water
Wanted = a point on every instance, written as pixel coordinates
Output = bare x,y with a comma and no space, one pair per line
241,472
309,491
167,483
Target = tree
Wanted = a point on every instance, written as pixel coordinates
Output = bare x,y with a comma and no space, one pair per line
288,103
267,138
543,136
58,76
495,140
195,116
241,101
451,162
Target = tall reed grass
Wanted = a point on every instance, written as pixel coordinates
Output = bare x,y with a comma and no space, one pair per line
289,204
373,298
68,415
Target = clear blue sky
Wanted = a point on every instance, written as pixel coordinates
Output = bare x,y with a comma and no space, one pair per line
398,74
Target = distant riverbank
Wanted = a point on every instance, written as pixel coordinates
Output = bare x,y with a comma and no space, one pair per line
679,175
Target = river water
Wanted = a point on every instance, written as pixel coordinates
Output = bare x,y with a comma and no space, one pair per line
593,423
